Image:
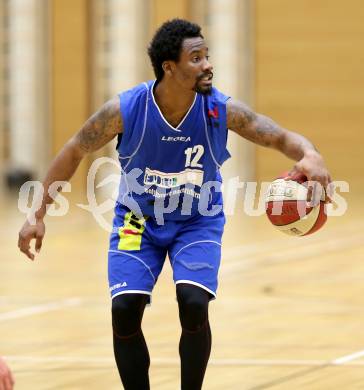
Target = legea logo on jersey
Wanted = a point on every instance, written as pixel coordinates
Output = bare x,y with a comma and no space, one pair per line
171,180
176,139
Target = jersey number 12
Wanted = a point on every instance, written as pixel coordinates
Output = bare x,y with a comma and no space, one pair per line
193,156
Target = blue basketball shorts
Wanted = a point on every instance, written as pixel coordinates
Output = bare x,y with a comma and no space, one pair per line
138,249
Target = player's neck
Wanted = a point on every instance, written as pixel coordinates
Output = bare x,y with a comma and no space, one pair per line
171,99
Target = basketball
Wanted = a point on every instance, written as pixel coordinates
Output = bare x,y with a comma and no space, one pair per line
288,205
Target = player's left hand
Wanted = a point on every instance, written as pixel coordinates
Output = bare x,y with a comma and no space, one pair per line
313,167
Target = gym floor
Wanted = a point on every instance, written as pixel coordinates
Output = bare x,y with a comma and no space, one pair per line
289,313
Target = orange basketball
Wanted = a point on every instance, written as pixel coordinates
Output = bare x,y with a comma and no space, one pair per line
288,207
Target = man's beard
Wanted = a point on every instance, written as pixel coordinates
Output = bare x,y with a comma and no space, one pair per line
204,90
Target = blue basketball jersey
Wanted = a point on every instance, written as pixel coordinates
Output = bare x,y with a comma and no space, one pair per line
173,168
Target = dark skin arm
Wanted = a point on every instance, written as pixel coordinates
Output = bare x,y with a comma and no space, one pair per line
265,132
97,131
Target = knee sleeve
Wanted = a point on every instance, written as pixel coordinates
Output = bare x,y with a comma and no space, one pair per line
127,313
193,304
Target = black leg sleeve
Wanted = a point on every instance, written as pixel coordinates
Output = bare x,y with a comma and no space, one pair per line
130,349
195,342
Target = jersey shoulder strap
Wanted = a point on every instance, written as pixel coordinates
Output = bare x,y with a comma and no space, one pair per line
217,119
132,109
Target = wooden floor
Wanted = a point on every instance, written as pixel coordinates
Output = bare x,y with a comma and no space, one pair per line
289,313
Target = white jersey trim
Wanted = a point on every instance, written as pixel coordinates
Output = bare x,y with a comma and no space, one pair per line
196,284
143,133
164,119
131,292
193,243
207,133
136,258
123,170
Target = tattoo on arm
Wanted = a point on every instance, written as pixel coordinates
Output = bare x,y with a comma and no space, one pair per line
101,127
264,131
254,127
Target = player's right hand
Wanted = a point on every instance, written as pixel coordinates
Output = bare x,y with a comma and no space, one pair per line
6,378
27,233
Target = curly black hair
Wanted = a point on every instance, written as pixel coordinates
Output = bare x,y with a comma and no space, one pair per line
167,42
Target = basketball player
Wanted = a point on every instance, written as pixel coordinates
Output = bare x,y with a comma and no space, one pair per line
6,377
171,141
